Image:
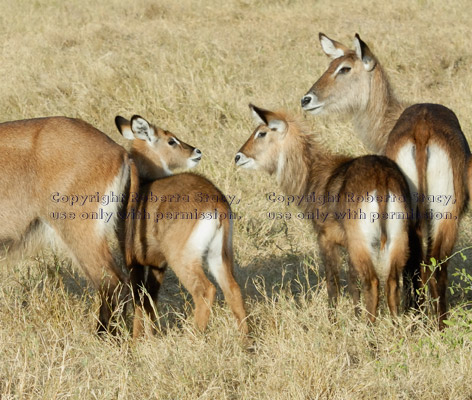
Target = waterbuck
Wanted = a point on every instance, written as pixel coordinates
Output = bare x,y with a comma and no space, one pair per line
425,140
66,184
57,178
368,213
180,221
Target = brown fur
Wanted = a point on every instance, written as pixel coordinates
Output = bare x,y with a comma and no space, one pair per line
168,240
427,124
307,168
42,157
46,158
385,126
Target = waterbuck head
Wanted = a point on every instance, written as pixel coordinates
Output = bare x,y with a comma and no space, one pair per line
264,148
345,86
157,152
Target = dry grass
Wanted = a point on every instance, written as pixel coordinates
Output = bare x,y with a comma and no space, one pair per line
192,67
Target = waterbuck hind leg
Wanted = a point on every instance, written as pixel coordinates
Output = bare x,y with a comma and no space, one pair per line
412,282
392,289
91,251
331,260
223,273
192,276
146,282
220,263
354,289
233,297
361,261
441,246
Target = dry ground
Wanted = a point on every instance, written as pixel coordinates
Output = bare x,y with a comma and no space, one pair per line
192,67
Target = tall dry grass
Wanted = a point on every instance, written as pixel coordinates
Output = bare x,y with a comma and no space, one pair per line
192,67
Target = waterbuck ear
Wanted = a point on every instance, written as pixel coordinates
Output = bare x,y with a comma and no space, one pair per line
124,126
364,53
259,114
332,48
142,129
277,125
268,118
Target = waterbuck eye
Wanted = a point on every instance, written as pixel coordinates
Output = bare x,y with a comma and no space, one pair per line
344,70
172,142
261,134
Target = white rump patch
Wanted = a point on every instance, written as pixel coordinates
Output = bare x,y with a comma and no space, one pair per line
371,234
207,240
215,255
396,227
440,182
370,230
202,234
406,160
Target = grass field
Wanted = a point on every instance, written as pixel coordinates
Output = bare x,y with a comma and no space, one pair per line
192,67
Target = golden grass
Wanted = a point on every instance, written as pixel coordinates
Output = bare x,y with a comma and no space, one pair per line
192,67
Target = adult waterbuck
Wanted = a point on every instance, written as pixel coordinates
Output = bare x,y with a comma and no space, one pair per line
65,183
425,140
180,221
62,183
366,210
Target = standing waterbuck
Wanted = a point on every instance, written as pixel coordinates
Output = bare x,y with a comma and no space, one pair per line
425,140
180,221
57,178
65,183
366,210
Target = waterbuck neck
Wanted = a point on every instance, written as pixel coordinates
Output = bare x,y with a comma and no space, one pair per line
150,166
305,164
374,122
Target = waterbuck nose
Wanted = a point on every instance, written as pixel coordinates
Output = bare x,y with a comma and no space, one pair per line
306,100
197,151
237,158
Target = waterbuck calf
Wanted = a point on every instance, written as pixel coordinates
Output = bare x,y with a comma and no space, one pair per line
425,140
180,221
369,212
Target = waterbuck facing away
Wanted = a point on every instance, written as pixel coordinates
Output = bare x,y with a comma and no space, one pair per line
369,212
180,221
425,140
